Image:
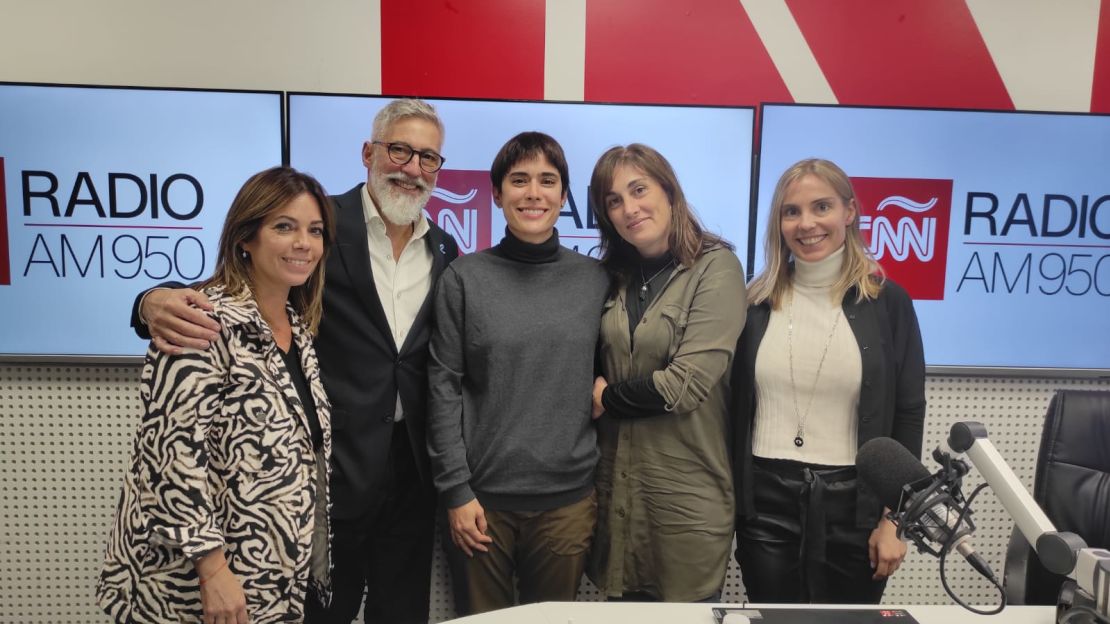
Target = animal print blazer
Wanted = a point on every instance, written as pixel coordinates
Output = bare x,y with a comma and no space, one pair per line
223,458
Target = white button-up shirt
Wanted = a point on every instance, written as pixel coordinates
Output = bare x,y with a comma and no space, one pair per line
402,283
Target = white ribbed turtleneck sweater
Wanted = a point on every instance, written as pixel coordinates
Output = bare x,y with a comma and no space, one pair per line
831,423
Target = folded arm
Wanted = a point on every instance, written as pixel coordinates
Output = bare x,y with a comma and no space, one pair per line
713,323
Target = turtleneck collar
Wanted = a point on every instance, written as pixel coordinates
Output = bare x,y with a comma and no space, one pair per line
515,249
651,265
820,274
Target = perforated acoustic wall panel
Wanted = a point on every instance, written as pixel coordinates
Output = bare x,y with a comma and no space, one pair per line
65,435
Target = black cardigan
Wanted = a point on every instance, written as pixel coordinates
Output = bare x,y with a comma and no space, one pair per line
892,393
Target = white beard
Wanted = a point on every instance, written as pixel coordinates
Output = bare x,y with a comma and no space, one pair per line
397,207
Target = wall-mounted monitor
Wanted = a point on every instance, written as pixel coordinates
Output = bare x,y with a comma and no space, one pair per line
709,147
997,223
106,191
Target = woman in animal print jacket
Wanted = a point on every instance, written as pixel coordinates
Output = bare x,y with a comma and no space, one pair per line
223,515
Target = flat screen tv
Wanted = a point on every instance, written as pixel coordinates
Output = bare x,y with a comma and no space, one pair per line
105,191
997,223
709,147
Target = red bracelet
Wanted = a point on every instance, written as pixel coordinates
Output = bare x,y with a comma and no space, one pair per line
202,581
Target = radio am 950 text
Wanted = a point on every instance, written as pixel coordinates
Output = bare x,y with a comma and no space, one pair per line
123,224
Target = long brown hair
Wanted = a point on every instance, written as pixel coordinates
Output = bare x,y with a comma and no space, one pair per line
687,240
263,194
860,270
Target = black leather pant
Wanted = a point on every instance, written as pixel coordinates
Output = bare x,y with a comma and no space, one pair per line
803,545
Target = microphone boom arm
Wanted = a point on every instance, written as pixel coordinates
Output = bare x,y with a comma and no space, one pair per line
1061,552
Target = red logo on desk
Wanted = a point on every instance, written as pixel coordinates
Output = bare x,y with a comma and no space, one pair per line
461,204
904,221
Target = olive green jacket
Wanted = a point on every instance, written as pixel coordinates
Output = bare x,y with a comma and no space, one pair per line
664,483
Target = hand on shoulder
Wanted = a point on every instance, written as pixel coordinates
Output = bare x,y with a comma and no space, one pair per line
177,319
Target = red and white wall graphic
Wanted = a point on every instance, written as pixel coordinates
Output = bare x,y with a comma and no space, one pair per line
981,54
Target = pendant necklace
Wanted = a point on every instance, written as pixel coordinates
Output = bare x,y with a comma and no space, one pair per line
799,439
644,287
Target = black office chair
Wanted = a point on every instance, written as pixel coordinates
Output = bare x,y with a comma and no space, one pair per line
1072,486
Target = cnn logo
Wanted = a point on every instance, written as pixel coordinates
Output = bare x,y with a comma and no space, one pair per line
461,206
905,222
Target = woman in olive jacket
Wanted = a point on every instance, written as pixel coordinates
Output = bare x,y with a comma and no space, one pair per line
665,493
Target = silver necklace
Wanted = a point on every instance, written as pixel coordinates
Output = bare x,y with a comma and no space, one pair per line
646,282
799,439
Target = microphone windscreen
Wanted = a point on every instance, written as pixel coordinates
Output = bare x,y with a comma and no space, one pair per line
885,466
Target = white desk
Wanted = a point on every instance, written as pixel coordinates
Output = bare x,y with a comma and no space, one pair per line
686,613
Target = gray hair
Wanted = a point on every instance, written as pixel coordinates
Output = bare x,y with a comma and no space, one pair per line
400,109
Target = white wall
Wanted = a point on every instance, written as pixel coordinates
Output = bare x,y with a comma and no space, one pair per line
291,45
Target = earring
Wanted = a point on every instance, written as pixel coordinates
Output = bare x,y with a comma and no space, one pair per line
244,254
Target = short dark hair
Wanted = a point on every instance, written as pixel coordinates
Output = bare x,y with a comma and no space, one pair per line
526,146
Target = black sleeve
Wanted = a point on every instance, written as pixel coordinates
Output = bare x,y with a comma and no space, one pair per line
141,330
909,367
635,398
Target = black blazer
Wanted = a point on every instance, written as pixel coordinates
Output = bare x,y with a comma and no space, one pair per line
892,392
361,367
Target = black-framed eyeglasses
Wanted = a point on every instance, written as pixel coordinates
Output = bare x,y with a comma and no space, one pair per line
402,153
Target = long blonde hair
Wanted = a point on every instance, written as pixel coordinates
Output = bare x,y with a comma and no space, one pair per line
860,270
263,194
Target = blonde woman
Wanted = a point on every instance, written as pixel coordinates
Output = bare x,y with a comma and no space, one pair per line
223,515
830,357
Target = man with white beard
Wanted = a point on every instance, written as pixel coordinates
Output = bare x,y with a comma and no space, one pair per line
373,349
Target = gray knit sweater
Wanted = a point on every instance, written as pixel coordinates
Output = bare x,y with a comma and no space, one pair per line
510,377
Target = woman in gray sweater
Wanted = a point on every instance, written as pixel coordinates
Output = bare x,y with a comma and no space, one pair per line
510,438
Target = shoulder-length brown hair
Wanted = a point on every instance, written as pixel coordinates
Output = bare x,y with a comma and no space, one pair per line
860,270
687,240
263,194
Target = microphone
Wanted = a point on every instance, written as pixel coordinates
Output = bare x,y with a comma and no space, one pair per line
1088,590
925,507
